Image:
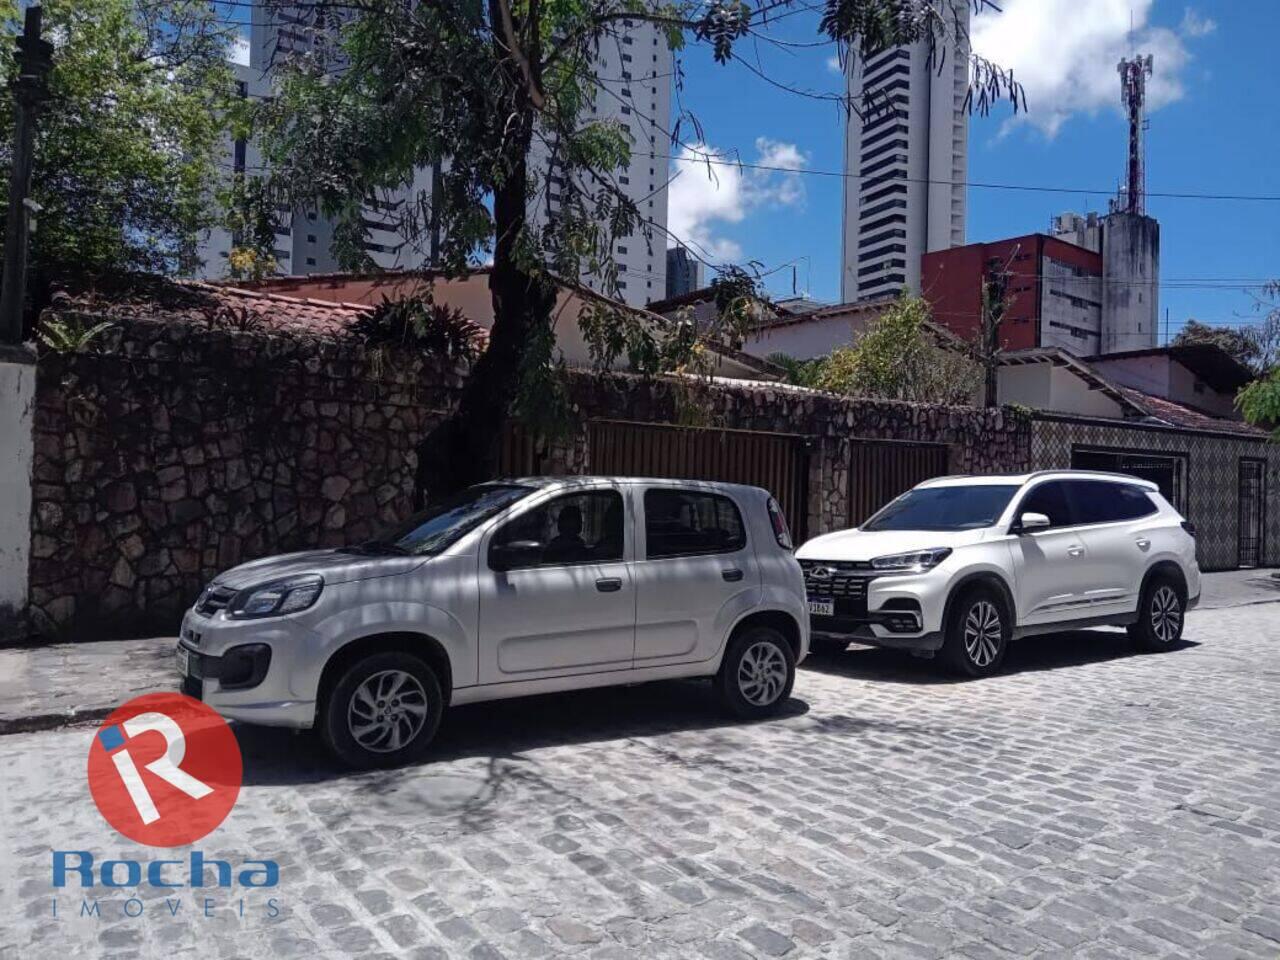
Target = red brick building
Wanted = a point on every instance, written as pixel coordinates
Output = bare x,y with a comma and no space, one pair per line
1054,288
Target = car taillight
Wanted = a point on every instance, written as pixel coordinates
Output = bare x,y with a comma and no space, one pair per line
1190,527
780,531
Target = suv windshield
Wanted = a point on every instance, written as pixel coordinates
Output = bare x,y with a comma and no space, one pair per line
441,524
944,508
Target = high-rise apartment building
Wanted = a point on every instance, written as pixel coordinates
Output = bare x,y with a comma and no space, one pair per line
905,164
635,71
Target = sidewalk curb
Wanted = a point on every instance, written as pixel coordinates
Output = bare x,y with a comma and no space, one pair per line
52,721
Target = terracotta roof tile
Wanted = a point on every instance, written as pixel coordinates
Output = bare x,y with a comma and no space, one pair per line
1178,415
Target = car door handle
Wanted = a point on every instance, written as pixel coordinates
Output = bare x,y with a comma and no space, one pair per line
1075,552
1142,543
609,584
733,574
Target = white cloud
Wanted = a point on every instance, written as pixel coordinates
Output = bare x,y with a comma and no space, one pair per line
1195,25
705,198
1065,52
239,52
833,63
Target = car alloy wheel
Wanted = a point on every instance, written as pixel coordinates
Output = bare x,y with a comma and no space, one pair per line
762,673
1166,614
982,633
387,711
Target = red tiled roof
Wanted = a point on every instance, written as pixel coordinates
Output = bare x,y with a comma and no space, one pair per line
221,306
1177,415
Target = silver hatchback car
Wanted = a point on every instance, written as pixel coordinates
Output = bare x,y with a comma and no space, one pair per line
511,588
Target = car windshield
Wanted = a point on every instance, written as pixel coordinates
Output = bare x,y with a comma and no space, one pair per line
443,523
944,508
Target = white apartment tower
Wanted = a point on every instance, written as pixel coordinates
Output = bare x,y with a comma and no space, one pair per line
905,165
635,71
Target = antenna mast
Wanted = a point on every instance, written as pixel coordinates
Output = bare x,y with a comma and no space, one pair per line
1133,93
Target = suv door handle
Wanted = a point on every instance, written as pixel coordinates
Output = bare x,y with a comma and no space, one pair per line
1075,552
732,575
1142,543
609,584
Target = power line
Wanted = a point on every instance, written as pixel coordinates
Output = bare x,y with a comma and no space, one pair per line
718,160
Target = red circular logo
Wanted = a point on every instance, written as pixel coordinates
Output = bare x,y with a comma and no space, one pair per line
164,769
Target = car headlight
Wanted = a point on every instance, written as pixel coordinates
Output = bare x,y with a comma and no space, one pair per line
914,562
277,598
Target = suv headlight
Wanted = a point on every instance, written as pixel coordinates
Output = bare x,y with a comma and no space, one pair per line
277,598
915,562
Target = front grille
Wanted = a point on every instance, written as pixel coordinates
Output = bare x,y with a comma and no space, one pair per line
213,599
845,579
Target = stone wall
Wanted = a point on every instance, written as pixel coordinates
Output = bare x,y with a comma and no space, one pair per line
173,452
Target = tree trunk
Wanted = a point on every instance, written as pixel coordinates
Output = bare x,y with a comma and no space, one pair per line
464,449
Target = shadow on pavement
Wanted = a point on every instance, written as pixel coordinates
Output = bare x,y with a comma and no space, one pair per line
1051,651
508,728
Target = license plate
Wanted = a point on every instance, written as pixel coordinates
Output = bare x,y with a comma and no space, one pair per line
184,661
823,608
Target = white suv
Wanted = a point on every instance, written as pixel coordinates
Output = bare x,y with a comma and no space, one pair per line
511,588
963,565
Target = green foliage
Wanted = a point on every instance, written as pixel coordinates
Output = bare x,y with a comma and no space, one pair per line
897,358
802,373
1234,340
69,334
1259,402
421,323
126,146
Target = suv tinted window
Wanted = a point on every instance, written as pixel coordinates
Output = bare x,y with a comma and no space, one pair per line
681,523
1101,501
575,528
1049,498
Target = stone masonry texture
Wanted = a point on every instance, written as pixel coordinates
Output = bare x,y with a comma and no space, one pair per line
173,451
1087,803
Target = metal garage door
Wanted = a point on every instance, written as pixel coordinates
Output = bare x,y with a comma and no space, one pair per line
879,470
778,462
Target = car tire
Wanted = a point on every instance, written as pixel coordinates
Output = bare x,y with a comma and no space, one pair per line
383,711
822,647
978,631
1161,614
757,673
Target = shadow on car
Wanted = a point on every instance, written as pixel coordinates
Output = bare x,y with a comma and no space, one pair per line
1051,651
508,728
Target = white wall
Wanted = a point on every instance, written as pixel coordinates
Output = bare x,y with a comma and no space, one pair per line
1043,386
17,406
806,339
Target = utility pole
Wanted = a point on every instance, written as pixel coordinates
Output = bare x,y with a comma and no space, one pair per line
35,59
995,302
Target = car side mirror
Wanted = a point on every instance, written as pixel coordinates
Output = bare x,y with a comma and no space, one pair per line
516,553
1030,521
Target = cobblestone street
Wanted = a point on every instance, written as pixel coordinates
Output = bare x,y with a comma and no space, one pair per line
1087,803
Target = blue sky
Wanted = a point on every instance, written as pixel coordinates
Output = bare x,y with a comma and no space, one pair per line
1215,128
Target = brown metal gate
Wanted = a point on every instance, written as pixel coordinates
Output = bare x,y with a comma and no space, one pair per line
778,462
879,470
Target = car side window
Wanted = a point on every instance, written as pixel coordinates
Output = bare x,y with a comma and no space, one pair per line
683,523
1095,501
1102,501
575,528
1136,503
1049,498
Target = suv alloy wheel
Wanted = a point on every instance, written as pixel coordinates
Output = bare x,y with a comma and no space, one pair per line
977,634
383,711
1160,615
757,673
